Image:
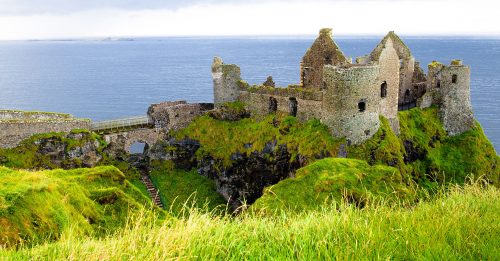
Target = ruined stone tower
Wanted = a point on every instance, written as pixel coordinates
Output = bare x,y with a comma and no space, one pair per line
225,78
351,101
449,89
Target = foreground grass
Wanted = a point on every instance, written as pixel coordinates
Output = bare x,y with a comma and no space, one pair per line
462,223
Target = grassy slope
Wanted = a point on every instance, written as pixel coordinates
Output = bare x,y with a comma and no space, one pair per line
443,158
463,224
181,190
39,206
333,180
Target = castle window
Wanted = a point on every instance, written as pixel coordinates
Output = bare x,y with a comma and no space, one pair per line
273,105
328,60
438,85
293,106
362,106
407,93
454,78
383,89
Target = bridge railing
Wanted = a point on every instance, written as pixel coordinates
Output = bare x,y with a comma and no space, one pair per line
124,123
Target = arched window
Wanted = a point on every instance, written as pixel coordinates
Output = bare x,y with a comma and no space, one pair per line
438,84
383,89
293,106
273,105
454,78
407,93
362,106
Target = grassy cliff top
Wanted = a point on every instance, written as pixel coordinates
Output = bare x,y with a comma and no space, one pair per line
40,206
220,139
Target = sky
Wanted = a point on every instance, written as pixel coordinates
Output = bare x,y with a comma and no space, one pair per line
64,19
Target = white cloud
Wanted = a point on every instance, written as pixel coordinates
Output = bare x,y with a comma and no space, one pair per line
264,18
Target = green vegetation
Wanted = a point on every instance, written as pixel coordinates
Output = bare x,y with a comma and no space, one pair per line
180,189
220,139
334,180
425,153
459,223
40,206
27,155
383,148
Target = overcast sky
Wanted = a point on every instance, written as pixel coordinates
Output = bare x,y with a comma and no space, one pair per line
45,19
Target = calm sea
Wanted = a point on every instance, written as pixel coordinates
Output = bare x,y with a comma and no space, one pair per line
112,79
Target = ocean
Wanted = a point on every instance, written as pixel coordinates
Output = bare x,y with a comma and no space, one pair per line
107,79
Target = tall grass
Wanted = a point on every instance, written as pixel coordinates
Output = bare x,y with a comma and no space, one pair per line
459,223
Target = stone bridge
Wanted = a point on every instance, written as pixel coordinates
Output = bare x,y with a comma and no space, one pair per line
161,118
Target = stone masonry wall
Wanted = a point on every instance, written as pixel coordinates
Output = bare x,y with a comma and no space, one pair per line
176,115
347,89
13,132
324,51
389,76
258,104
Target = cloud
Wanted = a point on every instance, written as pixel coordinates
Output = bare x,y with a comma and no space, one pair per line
263,18
31,7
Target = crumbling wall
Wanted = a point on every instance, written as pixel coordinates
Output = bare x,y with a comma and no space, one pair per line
351,104
324,51
15,126
226,78
409,71
389,84
259,104
176,115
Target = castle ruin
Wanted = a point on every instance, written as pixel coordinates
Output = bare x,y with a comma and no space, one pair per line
350,97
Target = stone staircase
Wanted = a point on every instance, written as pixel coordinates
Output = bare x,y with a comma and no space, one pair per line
153,192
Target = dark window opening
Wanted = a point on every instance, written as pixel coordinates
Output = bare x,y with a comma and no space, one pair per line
407,93
273,105
438,85
454,78
328,60
362,106
383,89
293,107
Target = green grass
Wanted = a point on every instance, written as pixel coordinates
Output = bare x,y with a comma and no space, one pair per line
40,206
220,139
459,223
332,180
442,158
180,188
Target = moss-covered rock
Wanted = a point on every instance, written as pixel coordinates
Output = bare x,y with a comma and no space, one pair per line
331,180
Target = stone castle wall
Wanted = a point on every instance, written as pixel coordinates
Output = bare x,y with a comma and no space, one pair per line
260,103
389,84
13,131
176,115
